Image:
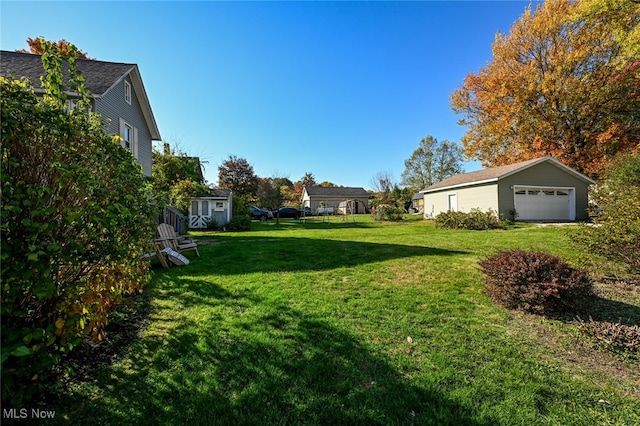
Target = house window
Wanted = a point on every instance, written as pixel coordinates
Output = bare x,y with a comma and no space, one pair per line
71,105
127,92
128,136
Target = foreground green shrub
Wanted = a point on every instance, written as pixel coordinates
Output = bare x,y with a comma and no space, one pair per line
535,282
240,218
476,219
388,212
75,221
612,336
617,218
239,223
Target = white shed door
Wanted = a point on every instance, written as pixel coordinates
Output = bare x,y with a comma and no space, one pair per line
453,202
543,203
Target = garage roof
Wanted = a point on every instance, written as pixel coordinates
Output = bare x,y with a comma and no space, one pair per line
336,191
494,174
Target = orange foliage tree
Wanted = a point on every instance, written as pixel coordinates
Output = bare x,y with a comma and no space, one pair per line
554,87
65,49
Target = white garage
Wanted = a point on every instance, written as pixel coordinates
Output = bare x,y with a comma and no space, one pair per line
541,189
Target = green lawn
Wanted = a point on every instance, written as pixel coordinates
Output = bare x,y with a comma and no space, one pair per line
356,323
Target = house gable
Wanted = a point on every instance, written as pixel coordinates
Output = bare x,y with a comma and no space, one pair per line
106,82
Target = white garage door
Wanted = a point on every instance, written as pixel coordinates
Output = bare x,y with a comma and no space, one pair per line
543,203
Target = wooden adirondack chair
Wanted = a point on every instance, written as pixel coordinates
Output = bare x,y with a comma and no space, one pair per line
180,243
157,254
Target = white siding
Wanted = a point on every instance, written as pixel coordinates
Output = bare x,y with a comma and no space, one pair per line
483,197
113,108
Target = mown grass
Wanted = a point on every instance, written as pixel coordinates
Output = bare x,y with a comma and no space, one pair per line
354,323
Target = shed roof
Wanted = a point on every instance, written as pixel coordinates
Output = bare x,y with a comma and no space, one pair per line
335,191
100,76
494,174
215,193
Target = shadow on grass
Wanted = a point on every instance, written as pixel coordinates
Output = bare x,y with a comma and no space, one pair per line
233,255
607,310
313,222
258,366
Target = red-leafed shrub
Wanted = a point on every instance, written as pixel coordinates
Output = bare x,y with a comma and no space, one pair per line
535,282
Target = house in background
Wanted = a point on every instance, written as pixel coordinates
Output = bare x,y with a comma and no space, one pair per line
332,196
216,205
543,189
118,96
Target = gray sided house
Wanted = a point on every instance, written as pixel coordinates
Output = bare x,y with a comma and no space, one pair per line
118,96
332,196
216,205
543,189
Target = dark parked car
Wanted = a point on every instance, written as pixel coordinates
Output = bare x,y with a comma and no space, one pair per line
260,214
285,212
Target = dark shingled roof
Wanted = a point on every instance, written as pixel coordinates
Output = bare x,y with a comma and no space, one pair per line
336,191
496,173
216,192
99,76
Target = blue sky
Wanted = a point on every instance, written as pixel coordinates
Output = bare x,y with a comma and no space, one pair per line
343,90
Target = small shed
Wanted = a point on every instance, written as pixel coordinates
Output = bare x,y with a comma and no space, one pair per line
331,196
351,207
542,189
417,202
215,205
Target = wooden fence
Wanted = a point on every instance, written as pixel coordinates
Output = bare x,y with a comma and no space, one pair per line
173,217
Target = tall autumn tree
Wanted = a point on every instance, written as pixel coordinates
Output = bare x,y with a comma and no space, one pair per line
555,87
237,175
621,17
432,162
66,49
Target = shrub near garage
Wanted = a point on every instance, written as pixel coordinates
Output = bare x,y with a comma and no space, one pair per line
476,220
617,234
75,219
535,282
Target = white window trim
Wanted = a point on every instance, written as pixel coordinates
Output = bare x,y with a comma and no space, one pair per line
133,143
127,92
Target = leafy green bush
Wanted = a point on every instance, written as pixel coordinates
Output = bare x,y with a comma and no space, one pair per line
239,223
388,212
240,218
616,234
476,219
212,225
183,191
75,221
535,282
